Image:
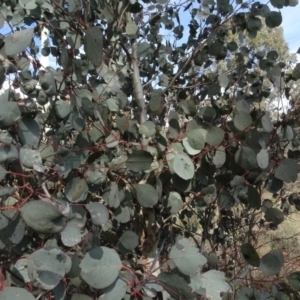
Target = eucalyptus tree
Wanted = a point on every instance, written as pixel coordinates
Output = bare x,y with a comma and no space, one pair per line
134,139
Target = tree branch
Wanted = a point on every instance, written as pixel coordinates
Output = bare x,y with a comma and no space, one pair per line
138,89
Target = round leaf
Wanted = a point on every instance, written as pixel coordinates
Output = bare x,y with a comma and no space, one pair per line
93,43
15,293
43,217
274,215
174,203
146,194
139,161
186,257
18,41
242,120
271,263
99,213
274,19
116,291
9,114
183,166
12,228
215,136
250,255
287,171
263,159
245,157
129,240
148,128
196,139
47,267
100,267
76,190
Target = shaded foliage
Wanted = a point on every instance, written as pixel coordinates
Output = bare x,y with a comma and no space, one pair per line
108,152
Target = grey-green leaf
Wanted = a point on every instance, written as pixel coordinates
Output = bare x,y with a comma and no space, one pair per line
146,194
186,257
43,217
94,45
9,114
18,41
129,240
76,190
100,267
99,213
274,215
287,171
271,263
15,293
139,161
250,255
183,166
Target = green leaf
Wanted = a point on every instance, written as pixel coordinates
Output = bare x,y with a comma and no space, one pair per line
245,157
113,139
207,113
47,267
131,28
93,44
62,109
76,190
183,166
115,291
296,71
274,215
242,120
129,240
271,263
196,138
73,233
139,161
99,213
245,292
263,159
2,173
287,171
250,255
294,280
9,114
144,49
18,41
212,284
225,199
223,80
267,123
254,199
29,132
43,217
8,153
100,267
174,128
15,293
148,129
174,203
176,286
274,19
47,82
188,148
146,194
219,157
12,228
186,257
215,136
278,3
188,106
